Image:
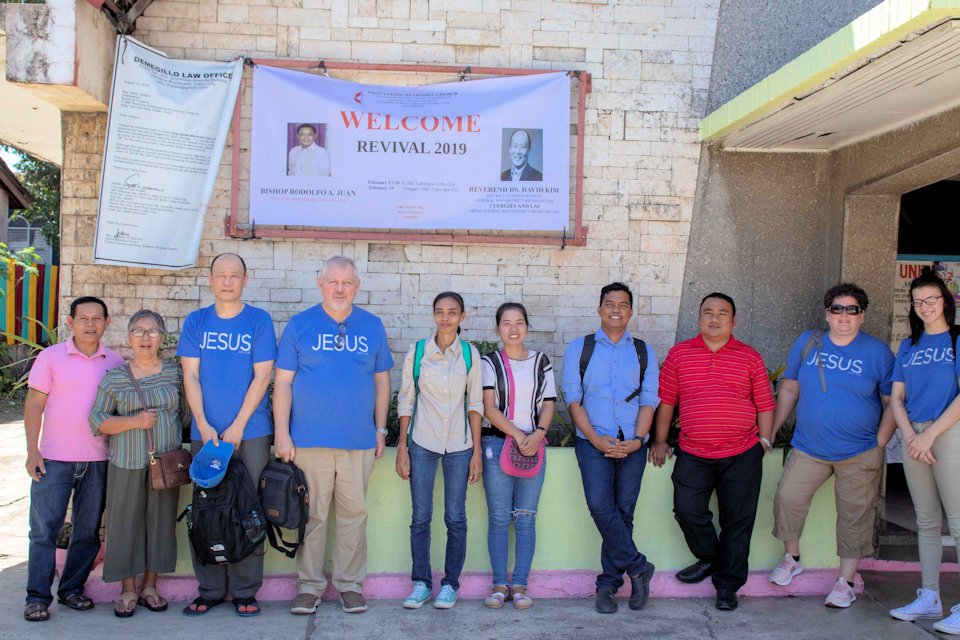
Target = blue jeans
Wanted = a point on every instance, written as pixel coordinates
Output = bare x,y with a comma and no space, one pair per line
87,481
611,487
509,497
423,473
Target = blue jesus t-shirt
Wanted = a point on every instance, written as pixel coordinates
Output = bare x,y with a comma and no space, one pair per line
333,389
842,422
929,370
228,349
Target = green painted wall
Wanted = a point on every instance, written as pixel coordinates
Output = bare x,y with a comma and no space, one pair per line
566,536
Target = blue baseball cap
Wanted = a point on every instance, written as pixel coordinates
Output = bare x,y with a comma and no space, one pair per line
209,466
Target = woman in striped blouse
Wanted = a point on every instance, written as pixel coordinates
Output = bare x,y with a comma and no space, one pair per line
140,521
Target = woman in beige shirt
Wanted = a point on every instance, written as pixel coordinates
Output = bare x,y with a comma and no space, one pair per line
441,408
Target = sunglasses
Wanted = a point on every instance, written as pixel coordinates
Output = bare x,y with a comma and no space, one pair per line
850,309
341,332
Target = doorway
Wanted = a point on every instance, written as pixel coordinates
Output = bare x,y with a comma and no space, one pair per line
927,228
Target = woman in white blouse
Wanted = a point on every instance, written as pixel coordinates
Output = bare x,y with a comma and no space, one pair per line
441,408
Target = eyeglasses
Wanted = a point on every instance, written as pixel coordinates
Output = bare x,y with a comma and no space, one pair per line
850,309
139,333
926,302
341,332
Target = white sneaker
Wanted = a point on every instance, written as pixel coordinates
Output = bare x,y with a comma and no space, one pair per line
927,606
842,595
785,570
950,624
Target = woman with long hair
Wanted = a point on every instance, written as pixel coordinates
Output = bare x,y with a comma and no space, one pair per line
518,400
441,408
926,407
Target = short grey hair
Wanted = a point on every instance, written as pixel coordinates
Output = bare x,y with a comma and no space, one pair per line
147,313
340,261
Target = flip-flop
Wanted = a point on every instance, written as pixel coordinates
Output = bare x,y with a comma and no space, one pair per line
36,612
246,602
151,592
209,603
123,608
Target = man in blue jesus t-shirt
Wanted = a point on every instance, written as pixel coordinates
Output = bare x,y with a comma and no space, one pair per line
330,401
227,352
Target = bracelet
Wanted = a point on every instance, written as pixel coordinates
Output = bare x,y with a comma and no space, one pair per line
766,442
382,431
544,429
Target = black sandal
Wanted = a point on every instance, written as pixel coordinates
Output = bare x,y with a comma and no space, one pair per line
77,601
246,602
36,612
201,602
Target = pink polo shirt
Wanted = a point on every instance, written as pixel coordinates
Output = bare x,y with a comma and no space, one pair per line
70,381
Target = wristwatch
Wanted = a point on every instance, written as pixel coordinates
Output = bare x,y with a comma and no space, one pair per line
381,431
766,442
644,438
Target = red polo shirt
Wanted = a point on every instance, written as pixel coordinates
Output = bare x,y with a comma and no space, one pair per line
719,396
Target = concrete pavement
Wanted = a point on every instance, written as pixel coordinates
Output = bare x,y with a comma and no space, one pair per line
799,618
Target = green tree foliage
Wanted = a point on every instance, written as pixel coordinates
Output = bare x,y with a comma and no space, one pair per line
42,180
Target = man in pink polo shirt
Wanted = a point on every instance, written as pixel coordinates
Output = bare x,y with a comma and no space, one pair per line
64,458
726,419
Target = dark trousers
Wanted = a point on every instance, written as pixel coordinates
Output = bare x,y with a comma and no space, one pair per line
242,579
86,482
611,487
737,482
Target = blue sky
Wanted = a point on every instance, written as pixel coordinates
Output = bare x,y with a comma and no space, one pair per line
10,158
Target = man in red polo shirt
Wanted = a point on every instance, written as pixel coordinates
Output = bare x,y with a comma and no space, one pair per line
726,419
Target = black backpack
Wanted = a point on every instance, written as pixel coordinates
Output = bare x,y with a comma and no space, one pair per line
285,500
225,522
590,342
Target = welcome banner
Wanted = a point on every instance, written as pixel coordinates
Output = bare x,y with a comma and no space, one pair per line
165,136
483,154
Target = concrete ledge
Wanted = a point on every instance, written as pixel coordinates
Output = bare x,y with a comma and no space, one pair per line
543,584
476,586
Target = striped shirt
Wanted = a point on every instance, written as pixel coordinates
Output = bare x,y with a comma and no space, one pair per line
719,394
116,396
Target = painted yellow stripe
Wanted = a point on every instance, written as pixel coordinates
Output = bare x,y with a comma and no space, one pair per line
30,288
882,26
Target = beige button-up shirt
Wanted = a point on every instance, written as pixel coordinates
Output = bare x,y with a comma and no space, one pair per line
445,386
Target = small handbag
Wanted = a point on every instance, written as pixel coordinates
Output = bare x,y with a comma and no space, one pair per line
512,461
170,469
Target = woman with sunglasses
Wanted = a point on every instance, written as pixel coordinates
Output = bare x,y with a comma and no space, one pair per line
927,410
518,398
441,409
140,536
839,382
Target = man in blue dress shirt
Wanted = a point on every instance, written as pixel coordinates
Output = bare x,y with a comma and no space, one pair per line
612,406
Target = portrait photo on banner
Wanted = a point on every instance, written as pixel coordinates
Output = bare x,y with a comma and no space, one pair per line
522,156
307,153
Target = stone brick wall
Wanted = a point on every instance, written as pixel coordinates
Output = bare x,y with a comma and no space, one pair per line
650,61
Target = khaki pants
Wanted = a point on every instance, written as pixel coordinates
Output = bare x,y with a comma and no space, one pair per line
857,488
931,485
341,475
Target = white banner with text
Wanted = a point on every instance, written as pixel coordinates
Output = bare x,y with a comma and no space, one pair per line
481,154
167,127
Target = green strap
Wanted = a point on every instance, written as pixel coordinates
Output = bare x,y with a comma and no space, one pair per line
468,360
417,358
815,340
